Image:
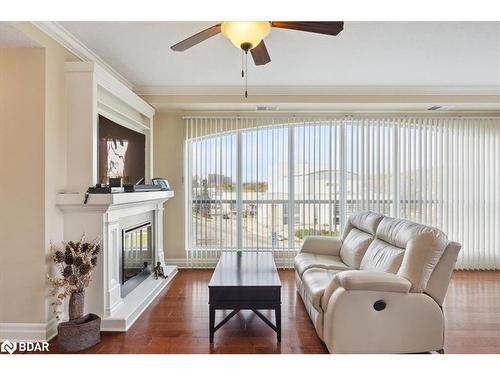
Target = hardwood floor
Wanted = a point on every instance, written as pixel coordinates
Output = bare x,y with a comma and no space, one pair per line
177,322
472,313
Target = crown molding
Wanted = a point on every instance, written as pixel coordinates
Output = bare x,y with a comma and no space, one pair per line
318,90
76,47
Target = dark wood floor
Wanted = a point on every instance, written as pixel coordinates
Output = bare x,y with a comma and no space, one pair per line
177,322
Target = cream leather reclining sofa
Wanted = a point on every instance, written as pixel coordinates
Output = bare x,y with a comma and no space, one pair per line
378,289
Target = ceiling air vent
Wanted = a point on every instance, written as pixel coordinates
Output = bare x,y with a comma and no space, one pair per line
441,108
267,108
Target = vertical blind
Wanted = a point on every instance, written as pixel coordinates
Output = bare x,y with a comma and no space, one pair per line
266,183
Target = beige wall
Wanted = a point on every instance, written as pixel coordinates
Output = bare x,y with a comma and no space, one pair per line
42,131
55,125
22,191
169,163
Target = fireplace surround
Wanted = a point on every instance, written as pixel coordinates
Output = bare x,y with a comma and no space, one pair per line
112,217
92,92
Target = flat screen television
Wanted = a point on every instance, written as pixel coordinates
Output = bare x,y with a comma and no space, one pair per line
122,152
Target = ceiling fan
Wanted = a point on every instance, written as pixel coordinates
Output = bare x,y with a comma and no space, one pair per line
249,35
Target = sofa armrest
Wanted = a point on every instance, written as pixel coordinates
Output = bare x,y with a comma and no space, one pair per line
409,323
365,281
372,280
322,245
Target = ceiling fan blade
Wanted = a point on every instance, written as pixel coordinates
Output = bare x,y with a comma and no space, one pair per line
197,38
260,54
329,28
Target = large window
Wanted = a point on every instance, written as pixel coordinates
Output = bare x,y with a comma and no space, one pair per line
265,184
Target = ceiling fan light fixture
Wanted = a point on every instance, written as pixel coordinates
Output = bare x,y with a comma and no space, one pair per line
246,35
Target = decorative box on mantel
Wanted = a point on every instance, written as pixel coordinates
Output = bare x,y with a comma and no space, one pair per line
125,221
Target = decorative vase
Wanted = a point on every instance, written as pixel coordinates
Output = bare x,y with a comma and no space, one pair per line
76,305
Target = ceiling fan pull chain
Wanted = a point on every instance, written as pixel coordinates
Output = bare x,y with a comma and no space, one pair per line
242,64
246,74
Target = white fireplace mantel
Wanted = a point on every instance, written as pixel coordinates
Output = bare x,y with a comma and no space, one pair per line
68,201
101,218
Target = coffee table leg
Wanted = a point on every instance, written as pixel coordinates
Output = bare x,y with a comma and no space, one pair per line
212,323
277,315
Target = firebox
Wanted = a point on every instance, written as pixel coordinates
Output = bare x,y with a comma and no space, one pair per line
137,256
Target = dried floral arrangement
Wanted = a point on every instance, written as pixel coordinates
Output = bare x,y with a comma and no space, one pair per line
75,263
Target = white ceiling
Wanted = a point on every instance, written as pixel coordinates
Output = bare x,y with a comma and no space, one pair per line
11,37
363,54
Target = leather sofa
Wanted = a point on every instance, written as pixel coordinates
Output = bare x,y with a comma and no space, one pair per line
380,287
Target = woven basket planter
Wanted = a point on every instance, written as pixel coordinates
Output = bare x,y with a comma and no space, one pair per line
79,334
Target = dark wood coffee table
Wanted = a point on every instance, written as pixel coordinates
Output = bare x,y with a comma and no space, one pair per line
245,281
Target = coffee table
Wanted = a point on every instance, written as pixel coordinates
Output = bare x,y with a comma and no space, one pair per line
245,281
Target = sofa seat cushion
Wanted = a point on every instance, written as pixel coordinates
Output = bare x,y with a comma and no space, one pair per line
304,261
315,281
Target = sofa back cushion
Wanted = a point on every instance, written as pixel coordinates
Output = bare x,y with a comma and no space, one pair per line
366,221
358,233
440,277
354,247
382,256
415,247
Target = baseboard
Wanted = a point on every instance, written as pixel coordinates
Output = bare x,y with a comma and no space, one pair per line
179,262
52,329
183,263
28,331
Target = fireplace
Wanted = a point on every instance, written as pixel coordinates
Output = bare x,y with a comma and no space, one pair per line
131,228
137,256
93,92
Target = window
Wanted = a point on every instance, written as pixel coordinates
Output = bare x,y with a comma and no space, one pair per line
285,216
248,176
213,193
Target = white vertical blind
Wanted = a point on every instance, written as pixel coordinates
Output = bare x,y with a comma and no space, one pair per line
266,183
369,168
316,179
